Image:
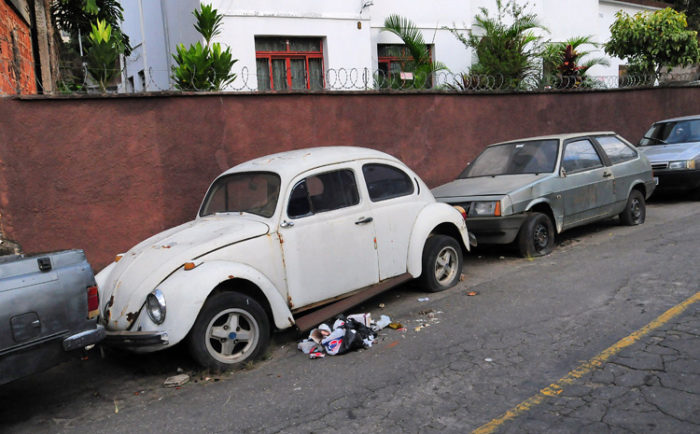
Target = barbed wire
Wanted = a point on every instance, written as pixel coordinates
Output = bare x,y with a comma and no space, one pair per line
77,80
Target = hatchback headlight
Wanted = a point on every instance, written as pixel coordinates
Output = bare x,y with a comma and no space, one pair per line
688,164
155,306
485,209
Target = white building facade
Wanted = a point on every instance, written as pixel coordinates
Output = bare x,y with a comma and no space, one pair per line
334,44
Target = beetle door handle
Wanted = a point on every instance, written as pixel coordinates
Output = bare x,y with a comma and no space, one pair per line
364,220
286,224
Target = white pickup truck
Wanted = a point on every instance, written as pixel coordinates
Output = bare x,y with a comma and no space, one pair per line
275,239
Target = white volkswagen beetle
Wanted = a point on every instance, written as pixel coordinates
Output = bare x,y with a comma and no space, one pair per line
276,238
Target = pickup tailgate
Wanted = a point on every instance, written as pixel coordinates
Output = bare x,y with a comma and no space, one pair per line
42,298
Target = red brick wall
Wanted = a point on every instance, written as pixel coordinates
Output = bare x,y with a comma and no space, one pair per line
103,174
16,58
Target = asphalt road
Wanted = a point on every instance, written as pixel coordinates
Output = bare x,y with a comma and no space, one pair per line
547,345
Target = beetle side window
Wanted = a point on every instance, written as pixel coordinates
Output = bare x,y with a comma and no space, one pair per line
323,192
386,182
580,155
616,149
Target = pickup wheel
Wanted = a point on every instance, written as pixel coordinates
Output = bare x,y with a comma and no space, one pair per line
442,263
536,236
635,210
230,330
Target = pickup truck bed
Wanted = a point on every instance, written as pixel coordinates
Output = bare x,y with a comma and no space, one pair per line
48,308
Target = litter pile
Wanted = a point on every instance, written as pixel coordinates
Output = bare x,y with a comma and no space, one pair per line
348,334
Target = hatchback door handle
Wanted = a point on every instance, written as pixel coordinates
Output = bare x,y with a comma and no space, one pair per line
607,174
364,220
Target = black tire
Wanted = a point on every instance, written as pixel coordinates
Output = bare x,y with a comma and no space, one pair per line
635,210
442,263
536,237
246,343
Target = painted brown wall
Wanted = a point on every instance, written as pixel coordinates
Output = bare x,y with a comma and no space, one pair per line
103,174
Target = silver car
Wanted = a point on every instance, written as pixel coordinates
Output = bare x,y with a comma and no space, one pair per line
673,148
525,190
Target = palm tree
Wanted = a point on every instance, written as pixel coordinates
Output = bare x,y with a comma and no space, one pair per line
565,61
420,62
507,45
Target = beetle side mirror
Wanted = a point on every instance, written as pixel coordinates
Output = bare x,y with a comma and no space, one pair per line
562,172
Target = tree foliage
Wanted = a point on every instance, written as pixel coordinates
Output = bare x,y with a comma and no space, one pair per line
507,44
420,62
204,67
653,40
78,16
691,9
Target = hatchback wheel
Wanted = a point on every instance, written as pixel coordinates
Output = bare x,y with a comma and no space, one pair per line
635,211
536,237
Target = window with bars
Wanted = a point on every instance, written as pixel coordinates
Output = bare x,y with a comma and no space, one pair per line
394,59
289,63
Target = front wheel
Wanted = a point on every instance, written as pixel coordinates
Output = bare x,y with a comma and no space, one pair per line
230,329
536,237
442,263
635,210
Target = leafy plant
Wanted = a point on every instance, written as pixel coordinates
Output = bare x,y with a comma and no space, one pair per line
507,45
419,63
204,67
653,40
566,61
77,17
102,54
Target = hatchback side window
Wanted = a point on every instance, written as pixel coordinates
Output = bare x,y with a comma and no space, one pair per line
580,155
386,182
323,192
617,150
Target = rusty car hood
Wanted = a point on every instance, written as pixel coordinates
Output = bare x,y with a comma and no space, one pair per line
144,266
487,185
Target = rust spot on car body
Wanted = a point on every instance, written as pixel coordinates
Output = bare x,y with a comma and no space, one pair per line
289,302
279,235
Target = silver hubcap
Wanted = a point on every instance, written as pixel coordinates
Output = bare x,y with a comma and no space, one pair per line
635,210
446,265
232,336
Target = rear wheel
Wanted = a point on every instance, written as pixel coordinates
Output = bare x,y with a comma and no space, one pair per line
536,237
442,263
231,329
635,211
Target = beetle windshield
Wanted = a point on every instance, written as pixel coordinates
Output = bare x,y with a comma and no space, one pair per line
672,132
537,156
251,192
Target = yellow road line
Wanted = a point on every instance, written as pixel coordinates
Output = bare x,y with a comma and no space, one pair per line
557,388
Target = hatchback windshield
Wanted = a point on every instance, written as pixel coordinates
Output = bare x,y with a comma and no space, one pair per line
537,156
672,132
251,192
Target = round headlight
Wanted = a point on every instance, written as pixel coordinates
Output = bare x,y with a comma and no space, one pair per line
155,306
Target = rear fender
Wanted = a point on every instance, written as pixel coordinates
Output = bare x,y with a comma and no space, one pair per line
428,219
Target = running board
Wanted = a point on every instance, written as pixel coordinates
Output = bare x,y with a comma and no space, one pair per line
308,321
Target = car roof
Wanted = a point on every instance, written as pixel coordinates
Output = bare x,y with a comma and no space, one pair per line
564,136
291,163
682,118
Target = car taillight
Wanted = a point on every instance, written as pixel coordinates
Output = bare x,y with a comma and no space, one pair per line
93,301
